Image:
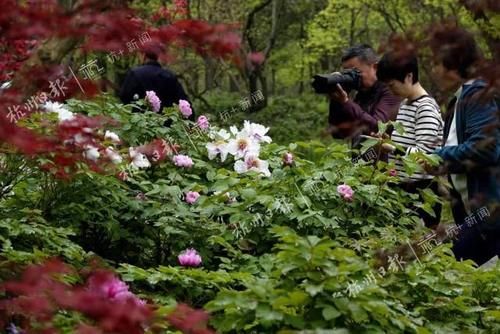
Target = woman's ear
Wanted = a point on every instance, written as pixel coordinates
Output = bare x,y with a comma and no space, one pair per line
409,78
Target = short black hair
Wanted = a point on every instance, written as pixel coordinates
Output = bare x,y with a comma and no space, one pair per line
396,66
152,50
362,51
151,55
456,48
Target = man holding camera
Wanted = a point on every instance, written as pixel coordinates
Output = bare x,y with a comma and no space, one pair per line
373,101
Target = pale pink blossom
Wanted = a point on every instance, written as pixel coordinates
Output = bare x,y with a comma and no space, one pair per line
203,122
189,258
112,288
112,155
252,163
255,131
288,159
192,197
153,100
123,175
182,161
393,172
185,108
345,192
91,153
110,135
139,160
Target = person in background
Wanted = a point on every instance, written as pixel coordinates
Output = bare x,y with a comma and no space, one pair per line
420,116
152,77
471,151
349,118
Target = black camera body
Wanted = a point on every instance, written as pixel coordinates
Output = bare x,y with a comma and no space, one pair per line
348,79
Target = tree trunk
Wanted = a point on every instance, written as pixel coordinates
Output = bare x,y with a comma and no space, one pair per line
263,83
209,73
50,53
273,81
252,82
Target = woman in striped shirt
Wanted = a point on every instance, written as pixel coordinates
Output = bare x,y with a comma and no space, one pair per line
421,119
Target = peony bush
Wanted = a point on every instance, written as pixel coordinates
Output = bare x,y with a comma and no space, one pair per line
254,236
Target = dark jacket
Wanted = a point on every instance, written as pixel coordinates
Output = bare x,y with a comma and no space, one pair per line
151,76
478,151
477,155
362,115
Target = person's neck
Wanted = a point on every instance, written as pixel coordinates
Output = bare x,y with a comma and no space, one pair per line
416,92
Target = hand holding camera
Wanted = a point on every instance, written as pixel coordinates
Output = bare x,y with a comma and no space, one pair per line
337,84
338,94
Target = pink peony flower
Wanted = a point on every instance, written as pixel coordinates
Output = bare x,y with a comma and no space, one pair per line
185,108
192,197
110,287
183,161
393,172
203,122
153,100
345,192
288,159
189,258
256,58
123,175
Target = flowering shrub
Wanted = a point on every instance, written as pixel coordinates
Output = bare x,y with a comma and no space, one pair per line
276,242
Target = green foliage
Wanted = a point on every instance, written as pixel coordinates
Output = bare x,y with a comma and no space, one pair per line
30,238
289,118
283,255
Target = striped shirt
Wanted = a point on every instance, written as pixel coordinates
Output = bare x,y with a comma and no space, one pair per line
423,131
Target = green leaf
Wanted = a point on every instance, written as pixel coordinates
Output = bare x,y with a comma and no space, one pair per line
330,313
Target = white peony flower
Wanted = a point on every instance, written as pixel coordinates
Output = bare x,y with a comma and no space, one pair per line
91,153
234,130
219,147
256,132
252,163
222,134
139,160
242,145
109,135
115,157
62,113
